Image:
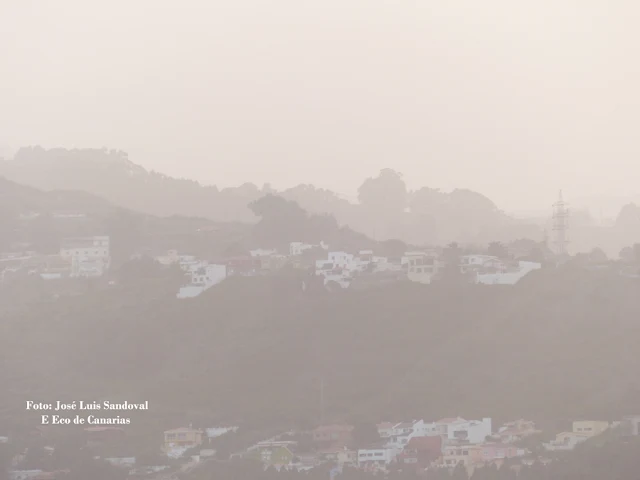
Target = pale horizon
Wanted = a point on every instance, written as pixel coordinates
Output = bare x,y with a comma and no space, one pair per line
512,102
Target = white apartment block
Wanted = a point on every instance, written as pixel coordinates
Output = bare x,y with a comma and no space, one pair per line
88,247
89,256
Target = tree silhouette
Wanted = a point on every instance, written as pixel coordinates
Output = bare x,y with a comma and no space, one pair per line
386,193
498,249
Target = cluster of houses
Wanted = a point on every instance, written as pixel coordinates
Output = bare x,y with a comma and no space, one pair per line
344,269
85,257
422,266
423,446
78,257
445,443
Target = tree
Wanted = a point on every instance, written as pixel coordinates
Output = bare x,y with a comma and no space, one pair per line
460,472
365,433
630,254
392,248
629,217
44,234
126,231
497,249
386,193
427,201
8,225
87,467
383,199
282,221
536,255
597,255
6,452
627,254
451,272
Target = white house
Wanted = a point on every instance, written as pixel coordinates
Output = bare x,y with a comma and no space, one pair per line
467,431
121,461
508,277
262,252
342,279
203,278
296,248
169,258
366,255
385,429
479,260
421,266
422,429
631,425
340,259
87,267
377,457
339,268
401,433
24,474
566,441
219,431
383,264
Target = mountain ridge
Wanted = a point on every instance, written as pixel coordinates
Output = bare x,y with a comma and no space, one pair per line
422,216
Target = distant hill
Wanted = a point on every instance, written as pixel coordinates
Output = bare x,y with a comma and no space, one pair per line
21,199
32,219
424,216
561,344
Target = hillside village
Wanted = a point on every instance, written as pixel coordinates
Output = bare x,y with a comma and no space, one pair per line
102,239
87,257
421,447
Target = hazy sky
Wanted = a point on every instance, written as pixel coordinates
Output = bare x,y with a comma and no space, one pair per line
514,99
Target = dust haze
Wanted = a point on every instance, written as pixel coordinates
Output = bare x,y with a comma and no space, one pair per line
302,240
453,94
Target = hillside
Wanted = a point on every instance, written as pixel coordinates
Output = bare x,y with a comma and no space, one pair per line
385,208
32,219
562,344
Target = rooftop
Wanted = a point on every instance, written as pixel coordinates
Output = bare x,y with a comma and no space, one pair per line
451,420
183,430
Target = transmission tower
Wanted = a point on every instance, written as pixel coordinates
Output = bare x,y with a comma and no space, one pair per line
560,226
